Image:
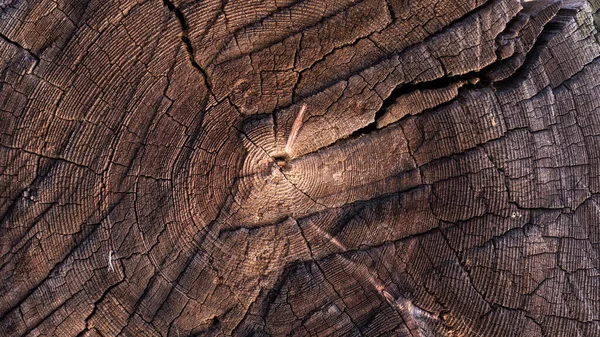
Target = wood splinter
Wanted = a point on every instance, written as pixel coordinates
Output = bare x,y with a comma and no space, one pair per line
282,159
295,128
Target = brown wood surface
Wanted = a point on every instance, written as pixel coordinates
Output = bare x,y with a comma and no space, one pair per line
299,167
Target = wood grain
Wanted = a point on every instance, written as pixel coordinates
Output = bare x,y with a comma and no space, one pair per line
307,168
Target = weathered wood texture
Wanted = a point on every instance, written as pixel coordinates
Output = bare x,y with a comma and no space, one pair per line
306,167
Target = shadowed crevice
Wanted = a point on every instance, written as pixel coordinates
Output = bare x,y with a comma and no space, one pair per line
187,42
471,78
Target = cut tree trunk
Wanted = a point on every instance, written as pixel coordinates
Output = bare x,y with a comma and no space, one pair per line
309,167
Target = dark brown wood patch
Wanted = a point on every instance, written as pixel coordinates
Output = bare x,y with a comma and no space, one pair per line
300,167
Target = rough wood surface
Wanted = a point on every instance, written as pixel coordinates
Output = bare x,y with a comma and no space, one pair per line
299,167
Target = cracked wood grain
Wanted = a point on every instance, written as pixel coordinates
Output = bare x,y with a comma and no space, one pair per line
308,168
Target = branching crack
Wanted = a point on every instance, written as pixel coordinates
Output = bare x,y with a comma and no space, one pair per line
472,82
21,47
187,42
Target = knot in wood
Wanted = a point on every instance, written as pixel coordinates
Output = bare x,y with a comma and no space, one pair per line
282,160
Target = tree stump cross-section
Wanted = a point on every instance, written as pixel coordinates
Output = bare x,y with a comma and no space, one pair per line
307,168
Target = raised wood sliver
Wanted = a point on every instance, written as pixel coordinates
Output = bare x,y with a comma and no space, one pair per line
361,168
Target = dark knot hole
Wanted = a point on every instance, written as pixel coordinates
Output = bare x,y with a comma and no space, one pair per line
281,160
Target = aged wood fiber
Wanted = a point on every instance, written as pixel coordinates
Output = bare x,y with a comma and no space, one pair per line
299,167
